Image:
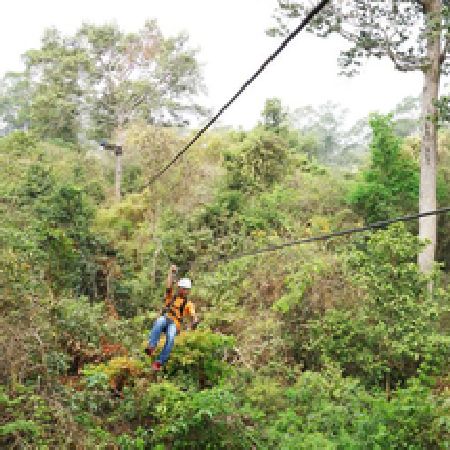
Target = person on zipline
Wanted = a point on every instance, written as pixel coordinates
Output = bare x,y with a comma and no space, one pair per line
176,307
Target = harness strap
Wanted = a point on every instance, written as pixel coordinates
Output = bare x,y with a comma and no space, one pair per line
177,312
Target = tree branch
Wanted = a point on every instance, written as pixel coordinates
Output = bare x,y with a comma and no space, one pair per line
402,66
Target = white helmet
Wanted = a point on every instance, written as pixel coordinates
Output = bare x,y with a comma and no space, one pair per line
185,283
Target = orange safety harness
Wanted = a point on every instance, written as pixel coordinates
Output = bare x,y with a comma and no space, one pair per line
176,311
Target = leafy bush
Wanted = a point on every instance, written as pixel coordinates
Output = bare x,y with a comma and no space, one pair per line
28,420
258,161
199,355
328,410
207,419
393,334
78,320
390,186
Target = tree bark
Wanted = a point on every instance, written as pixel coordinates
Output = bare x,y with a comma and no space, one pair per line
428,153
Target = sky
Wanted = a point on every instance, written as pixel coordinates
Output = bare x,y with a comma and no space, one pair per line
230,36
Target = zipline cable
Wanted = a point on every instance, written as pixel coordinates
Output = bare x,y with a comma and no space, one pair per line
286,41
324,237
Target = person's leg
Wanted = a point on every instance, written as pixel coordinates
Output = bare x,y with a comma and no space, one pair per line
171,332
155,333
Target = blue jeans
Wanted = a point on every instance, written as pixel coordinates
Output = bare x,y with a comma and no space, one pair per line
163,324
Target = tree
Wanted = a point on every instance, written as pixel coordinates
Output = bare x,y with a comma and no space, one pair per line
258,161
407,117
415,35
14,101
326,123
53,73
140,75
335,144
274,115
101,79
393,332
390,185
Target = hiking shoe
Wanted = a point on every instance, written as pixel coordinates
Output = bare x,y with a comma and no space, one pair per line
149,350
157,366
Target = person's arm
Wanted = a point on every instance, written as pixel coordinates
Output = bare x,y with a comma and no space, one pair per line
169,286
171,276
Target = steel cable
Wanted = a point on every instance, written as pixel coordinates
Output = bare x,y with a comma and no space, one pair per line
280,48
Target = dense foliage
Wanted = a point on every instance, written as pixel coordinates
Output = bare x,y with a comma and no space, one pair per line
333,345
99,79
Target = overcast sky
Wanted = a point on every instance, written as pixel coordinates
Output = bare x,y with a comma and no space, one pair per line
230,35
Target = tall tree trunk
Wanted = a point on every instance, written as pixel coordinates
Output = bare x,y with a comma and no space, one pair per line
428,152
